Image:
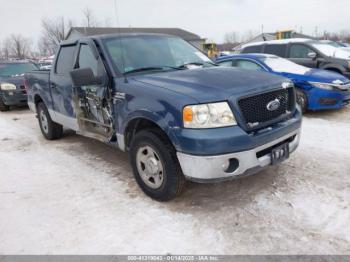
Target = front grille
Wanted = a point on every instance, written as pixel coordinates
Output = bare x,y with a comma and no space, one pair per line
255,108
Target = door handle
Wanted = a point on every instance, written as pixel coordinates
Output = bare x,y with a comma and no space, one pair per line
53,85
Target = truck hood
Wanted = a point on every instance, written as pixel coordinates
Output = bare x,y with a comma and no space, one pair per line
214,83
317,75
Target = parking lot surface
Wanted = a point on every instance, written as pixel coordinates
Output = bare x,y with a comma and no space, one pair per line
78,196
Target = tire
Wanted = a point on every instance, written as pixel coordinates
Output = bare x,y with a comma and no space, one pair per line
49,129
155,165
3,107
302,101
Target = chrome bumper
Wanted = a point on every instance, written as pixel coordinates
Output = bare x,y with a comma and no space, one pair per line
207,168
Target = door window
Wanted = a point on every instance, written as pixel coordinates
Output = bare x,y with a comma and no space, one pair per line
252,49
300,51
279,50
248,65
65,58
87,59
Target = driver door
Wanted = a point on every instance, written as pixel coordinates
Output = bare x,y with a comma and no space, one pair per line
299,53
93,102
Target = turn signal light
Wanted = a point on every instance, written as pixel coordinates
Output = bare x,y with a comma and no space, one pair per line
187,114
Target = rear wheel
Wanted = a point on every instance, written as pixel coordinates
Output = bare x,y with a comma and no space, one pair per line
155,165
302,100
3,107
49,129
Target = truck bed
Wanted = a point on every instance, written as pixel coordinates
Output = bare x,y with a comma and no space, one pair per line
38,82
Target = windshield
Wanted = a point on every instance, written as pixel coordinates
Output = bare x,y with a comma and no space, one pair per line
330,50
282,65
16,68
335,44
158,52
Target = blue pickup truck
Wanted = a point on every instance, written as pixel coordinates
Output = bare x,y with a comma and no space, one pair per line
178,115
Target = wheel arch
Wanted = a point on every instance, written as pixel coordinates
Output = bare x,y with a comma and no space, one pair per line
37,99
334,68
142,122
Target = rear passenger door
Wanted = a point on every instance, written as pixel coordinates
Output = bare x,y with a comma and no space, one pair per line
276,49
61,87
252,49
299,53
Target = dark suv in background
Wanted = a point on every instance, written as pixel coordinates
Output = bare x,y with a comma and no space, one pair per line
12,86
306,52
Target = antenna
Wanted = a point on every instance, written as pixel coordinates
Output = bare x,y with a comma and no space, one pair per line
120,39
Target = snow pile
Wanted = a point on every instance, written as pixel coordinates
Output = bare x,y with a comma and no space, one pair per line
78,196
58,199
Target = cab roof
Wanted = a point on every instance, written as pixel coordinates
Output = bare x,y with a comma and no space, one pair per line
282,41
107,36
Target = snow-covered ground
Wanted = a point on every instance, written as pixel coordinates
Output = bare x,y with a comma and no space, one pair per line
78,196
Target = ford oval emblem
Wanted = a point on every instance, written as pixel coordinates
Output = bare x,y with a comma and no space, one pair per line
273,105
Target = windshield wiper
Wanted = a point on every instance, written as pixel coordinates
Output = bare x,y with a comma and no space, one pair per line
142,69
151,68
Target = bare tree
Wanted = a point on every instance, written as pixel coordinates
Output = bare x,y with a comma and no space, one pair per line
344,35
6,45
53,32
17,46
89,18
248,35
231,38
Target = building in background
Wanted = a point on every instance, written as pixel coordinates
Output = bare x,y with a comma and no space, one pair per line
77,32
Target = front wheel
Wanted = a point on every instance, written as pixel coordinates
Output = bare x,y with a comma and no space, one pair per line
155,165
302,101
49,128
3,107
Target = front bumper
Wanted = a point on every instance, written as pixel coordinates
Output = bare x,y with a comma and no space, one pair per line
326,99
14,98
214,168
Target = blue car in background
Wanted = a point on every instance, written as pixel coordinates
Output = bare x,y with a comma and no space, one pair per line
316,89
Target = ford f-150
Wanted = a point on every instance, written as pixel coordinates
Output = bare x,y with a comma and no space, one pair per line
177,114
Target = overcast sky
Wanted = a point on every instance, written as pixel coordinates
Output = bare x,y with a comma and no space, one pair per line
208,18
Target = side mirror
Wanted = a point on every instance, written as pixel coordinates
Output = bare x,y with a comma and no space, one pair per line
312,55
84,77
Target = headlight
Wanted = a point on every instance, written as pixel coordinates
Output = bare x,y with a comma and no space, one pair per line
322,85
208,116
7,86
